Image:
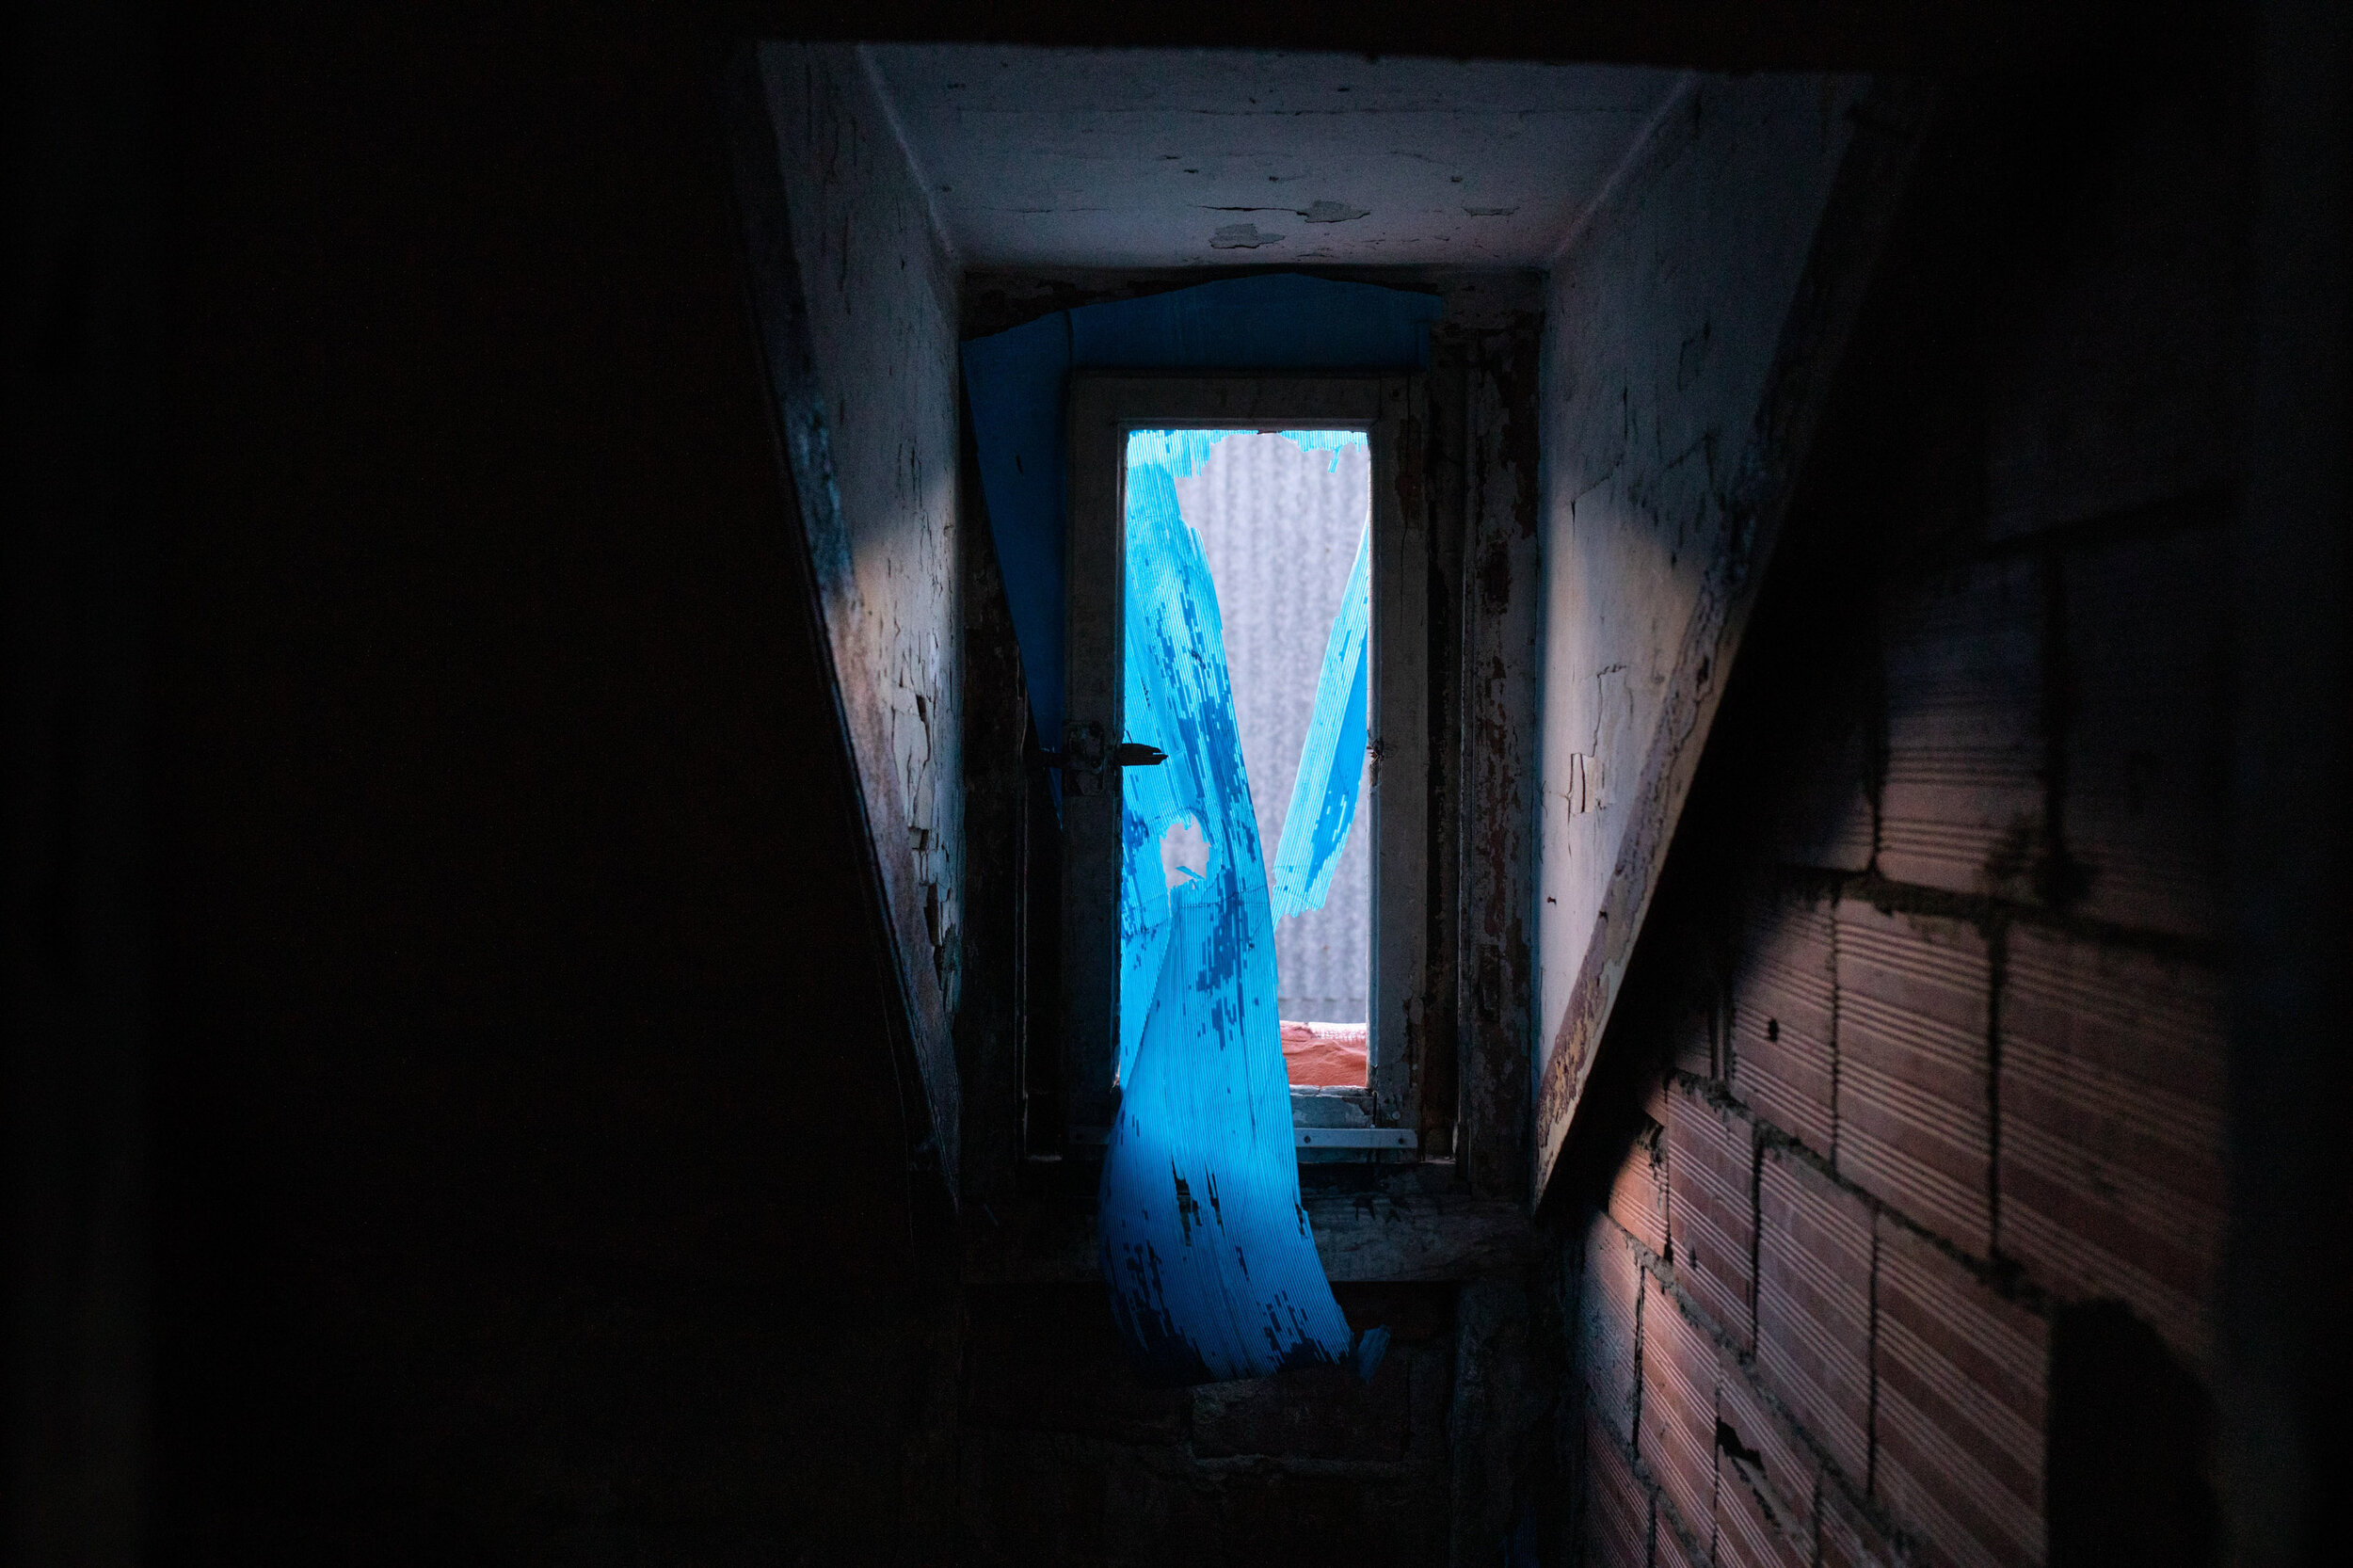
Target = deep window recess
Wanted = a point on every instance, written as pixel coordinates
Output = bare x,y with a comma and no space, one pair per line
1303,493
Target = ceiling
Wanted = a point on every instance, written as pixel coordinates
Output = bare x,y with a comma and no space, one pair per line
1070,157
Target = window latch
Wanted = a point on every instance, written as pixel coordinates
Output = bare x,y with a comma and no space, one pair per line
1082,756
1127,754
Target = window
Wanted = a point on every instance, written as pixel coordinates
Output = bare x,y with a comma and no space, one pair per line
1350,908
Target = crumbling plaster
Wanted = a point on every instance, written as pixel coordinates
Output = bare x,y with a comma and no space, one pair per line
1687,318
878,288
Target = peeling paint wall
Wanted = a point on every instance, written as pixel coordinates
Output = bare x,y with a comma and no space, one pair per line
879,290
1666,323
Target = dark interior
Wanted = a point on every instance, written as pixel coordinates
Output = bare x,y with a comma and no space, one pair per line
463,1101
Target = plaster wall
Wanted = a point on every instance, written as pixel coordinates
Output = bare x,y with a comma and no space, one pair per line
1665,317
1209,157
878,286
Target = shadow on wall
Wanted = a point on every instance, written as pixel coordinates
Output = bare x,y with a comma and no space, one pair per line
1901,1221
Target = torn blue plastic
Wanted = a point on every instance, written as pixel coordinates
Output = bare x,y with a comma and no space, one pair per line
1333,442
1154,459
1332,759
1212,1267
1016,382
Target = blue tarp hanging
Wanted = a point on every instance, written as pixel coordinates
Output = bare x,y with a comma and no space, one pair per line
1212,1268
1205,1243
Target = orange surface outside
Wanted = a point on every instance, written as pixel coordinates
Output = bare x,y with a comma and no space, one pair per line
1324,1056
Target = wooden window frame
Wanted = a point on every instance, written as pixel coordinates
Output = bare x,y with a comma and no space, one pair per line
1380,1121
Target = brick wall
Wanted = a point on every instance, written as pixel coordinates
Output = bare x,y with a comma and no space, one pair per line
1877,1263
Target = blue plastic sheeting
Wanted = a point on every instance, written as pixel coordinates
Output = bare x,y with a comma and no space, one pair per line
1157,457
1212,1268
1332,759
1016,383
1333,442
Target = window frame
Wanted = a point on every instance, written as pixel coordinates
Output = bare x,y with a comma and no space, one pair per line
1380,1121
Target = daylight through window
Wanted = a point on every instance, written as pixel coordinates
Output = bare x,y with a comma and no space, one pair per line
1282,518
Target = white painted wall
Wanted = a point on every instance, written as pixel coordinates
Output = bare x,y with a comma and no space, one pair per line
1665,313
879,285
